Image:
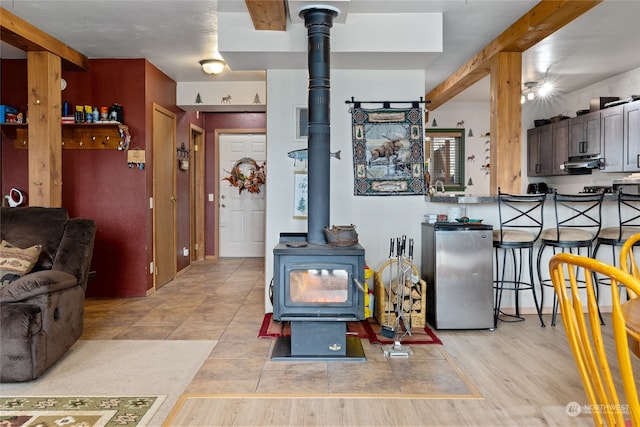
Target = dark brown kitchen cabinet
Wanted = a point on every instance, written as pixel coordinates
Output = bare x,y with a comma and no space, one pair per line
620,137
584,135
631,140
611,132
547,149
538,144
560,146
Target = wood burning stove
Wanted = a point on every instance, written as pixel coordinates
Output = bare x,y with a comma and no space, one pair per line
316,285
318,282
317,288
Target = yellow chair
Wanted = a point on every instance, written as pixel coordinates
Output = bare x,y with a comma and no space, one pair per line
628,262
584,334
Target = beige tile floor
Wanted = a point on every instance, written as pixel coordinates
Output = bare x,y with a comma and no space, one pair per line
224,300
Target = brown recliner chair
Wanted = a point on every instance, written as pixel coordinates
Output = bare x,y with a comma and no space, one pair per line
41,313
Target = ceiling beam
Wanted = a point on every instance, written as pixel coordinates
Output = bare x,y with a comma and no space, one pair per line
21,34
541,21
268,14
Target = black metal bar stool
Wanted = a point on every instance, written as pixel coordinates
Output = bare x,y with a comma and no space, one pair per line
578,221
521,218
628,225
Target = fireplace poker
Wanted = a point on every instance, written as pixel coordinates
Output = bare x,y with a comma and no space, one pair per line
402,280
397,349
387,329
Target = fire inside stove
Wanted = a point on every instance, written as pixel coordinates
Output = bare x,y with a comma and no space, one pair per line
321,286
317,282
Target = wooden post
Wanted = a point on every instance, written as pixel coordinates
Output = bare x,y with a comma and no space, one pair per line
45,130
506,123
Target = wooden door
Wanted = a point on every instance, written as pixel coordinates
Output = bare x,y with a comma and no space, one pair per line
164,209
242,213
196,189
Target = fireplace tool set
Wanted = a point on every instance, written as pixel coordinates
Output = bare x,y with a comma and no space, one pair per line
403,271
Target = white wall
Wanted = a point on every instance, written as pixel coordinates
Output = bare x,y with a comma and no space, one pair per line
378,218
476,116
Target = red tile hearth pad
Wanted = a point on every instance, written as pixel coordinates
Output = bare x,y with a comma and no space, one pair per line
365,329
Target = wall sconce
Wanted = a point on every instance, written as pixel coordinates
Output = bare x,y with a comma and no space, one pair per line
212,66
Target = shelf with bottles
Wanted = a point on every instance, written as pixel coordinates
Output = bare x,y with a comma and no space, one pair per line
101,135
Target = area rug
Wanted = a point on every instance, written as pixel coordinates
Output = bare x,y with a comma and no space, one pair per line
128,411
120,368
366,329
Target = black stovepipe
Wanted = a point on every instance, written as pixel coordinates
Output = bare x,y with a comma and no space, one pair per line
318,21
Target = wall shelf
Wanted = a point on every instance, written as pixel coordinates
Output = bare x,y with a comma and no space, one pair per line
75,136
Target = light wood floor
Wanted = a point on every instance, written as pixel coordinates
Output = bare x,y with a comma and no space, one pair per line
520,374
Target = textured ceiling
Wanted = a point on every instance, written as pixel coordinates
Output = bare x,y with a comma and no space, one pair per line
175,34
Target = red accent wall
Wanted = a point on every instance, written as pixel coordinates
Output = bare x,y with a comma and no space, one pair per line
15,163
98,184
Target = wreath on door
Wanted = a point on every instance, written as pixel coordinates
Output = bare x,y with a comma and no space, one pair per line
247,175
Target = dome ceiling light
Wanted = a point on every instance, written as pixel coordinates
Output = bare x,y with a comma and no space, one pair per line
212,66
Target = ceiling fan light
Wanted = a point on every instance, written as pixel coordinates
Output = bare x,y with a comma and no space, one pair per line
212,66
530,96
545,89
522,99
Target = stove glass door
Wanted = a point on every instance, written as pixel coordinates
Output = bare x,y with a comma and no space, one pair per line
319,286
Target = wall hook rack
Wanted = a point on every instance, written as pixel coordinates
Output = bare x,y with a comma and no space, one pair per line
183,153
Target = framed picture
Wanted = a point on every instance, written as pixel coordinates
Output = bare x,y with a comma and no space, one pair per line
300,197
301,120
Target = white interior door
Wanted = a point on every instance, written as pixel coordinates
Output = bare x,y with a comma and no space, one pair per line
242,213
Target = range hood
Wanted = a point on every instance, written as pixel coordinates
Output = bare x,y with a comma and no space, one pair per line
581,165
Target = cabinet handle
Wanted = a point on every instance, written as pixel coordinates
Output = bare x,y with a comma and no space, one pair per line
638,160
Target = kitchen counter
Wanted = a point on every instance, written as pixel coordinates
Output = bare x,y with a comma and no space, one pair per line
480,199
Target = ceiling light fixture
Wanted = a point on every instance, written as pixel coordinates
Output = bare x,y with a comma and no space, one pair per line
528,94
212,66
533,90
545,89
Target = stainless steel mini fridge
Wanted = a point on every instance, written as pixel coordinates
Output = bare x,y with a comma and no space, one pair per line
457,264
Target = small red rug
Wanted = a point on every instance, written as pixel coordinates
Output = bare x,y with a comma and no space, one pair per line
365,329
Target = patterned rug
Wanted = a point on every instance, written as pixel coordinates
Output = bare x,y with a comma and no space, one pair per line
78,411
128,368
365,329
